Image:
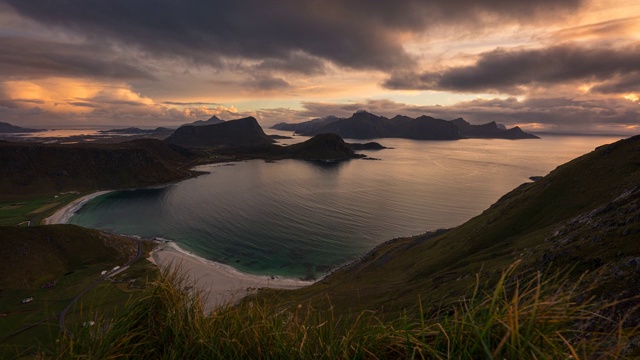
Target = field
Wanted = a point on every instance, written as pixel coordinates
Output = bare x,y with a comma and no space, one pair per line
32,211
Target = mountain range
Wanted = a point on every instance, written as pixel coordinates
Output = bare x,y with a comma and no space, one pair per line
211,121
365,125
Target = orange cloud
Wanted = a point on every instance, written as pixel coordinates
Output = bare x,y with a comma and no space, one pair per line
53,94
72,96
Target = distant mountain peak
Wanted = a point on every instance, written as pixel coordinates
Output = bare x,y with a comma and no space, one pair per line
365,125
240,132
211,121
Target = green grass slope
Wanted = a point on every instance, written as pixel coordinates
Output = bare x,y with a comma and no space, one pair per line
52,265
584,215
448,294
32,256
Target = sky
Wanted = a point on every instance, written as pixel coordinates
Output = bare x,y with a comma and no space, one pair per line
543,65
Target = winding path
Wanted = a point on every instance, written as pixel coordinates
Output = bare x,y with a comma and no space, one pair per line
64,312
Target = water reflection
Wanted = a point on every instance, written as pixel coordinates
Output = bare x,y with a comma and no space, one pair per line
300,218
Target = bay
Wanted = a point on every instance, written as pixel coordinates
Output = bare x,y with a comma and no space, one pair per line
301,219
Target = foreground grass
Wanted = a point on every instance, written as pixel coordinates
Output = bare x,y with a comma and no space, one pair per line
27,328
537,318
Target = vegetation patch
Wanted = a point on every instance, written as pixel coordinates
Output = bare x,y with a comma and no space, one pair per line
536,317
33,210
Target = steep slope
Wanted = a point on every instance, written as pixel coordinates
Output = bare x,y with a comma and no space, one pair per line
31,256
583,216
306,127
241,132
427,128
361,125
33,169
491,130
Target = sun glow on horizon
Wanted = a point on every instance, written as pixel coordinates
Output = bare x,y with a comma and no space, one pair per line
632,97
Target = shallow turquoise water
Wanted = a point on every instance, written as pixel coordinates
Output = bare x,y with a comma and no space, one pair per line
300,219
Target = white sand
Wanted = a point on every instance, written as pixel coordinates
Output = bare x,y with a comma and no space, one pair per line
62,216
220,284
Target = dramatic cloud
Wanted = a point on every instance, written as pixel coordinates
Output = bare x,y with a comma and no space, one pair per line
514,71
357,34
27,58
267,83
573,64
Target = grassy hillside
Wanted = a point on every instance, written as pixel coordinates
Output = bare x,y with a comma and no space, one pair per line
32,256
52,265
447,294
584,216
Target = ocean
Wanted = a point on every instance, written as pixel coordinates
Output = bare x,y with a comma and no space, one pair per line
301,219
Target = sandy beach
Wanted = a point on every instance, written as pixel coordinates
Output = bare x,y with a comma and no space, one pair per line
220,284
61,216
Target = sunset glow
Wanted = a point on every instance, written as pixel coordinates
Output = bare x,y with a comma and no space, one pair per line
76,63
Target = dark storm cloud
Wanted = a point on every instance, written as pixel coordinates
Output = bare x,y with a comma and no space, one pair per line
267,83
512,71
294,63
23,57
620,85
357,34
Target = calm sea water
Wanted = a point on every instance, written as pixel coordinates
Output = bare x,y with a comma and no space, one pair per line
300,219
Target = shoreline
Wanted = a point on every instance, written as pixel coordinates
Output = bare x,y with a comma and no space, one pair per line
62,216
219,284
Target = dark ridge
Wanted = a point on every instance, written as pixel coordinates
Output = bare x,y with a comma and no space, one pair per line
35,168
364,125
135,131
211,121
241,132
327,147
307,126
8,128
